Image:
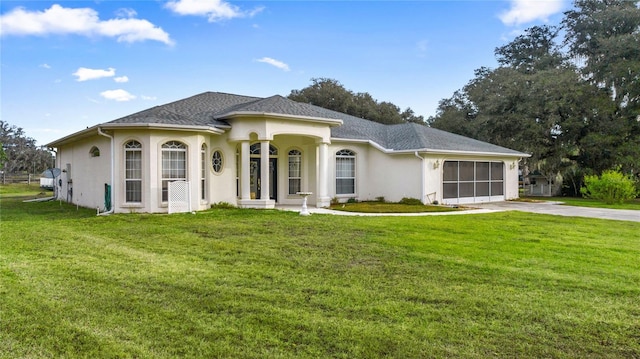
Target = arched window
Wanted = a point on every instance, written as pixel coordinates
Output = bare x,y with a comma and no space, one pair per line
133,172
254,150
345,172
174,165
94,152
203,172
295,171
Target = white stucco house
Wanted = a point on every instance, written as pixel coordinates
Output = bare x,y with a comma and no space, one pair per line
259,152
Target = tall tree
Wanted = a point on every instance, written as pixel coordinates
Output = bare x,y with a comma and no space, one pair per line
535,50
604,36
21,152
331,94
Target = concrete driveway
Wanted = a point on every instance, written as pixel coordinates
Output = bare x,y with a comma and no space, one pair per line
556,208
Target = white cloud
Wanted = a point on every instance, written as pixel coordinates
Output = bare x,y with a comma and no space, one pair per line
121,79
79,21
279,64
119,95
214,10
85,74
126,12
526,11
45,66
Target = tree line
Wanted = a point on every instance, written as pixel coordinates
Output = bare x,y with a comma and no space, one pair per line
19,153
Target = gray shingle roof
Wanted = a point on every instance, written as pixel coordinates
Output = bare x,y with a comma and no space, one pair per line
212,109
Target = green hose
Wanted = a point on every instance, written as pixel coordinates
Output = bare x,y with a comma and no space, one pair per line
107,197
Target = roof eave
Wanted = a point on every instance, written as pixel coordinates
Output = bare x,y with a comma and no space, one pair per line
433,151
162,126
90,131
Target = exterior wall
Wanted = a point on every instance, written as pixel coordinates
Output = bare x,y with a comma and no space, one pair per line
219,187
392,176
83,177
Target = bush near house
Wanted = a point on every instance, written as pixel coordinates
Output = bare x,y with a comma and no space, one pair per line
611,187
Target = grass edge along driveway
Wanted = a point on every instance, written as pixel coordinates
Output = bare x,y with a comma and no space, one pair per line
255,284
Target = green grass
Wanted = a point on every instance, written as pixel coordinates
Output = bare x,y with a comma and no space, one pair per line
272,284
587,202
385,207
24,190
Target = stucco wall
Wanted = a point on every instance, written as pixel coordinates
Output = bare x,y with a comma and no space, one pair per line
83,180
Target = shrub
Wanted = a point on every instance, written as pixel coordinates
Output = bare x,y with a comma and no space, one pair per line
222,205
352,200
611,187
380,199
410,201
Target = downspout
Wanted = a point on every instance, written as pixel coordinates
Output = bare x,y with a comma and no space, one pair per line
423,185
112,174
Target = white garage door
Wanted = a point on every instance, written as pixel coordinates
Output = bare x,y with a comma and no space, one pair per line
472,181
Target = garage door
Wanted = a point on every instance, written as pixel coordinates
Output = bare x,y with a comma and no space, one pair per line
472,181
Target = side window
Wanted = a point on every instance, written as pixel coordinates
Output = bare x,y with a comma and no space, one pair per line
203,172
133,172
174,165
345,172
295,171
94,152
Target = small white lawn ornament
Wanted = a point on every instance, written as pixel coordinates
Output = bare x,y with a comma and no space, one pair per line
304,195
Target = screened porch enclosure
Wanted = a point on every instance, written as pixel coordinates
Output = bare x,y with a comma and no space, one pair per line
472,181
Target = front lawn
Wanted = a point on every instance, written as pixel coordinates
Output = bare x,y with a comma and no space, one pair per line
265,284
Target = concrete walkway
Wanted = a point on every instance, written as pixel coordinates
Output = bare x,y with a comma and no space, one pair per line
553,208
558,209
344,213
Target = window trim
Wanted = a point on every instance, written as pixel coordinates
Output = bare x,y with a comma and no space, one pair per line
203,172
94,152
348,154
213,164
177,147
129,148
297,155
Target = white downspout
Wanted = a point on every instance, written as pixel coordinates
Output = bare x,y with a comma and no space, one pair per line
423,185
112,174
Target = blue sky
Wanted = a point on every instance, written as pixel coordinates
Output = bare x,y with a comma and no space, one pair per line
68,65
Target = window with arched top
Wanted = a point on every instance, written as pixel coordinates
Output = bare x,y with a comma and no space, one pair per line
345,172
255,150
94,152
203,172
174,165
133,172
295,171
